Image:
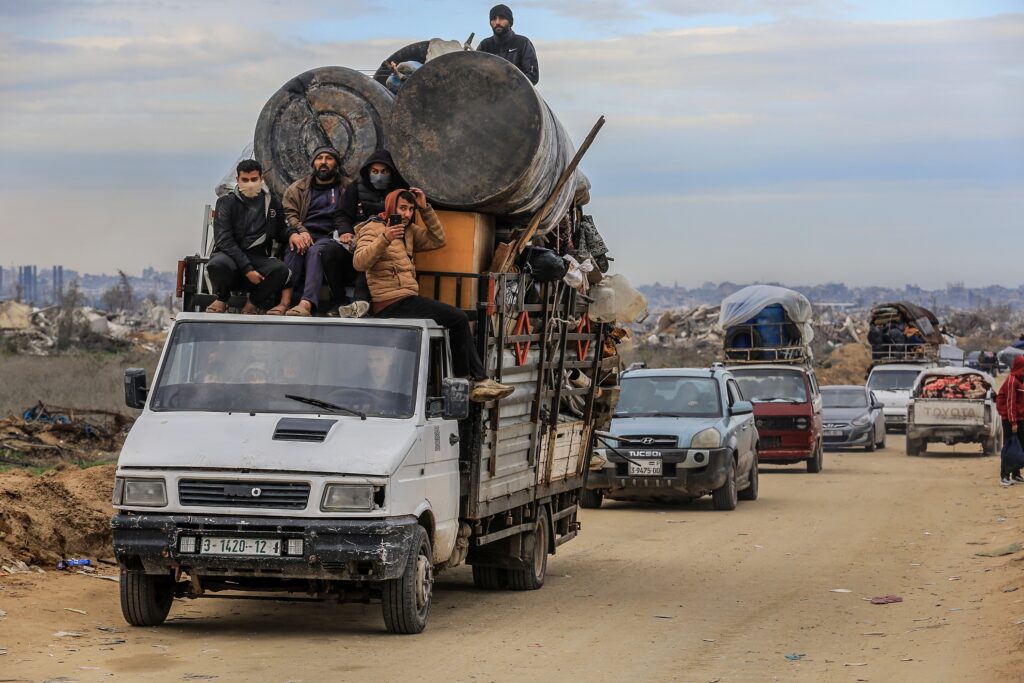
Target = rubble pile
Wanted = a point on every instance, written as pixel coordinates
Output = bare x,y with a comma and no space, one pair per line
53,329
49,434
697,326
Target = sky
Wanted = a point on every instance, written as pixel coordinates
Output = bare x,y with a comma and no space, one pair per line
799,141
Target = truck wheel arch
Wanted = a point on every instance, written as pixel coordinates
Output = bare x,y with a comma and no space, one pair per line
425,518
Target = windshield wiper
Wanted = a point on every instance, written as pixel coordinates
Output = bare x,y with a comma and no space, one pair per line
325,405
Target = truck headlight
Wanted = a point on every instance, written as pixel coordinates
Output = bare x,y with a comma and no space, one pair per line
145,493
801,423
861,421
709,438
348,497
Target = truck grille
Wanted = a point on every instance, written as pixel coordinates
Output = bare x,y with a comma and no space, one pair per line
776,423
243,494
648,441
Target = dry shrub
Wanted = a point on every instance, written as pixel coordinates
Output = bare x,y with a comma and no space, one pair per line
88,380
847,364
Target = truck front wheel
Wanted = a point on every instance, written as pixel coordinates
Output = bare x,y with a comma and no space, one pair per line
406,600
590,499
535,556
146,598
814,465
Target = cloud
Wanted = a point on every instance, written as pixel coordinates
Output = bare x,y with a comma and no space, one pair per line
834,128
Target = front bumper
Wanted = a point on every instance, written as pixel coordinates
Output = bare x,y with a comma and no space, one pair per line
851,436
786,446
332,549
682,475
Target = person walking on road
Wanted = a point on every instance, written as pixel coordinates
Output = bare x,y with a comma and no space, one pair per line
510,46
1010,406
247,222
385,247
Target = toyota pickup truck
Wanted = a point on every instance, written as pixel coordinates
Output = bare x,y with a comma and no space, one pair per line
340,459
951,406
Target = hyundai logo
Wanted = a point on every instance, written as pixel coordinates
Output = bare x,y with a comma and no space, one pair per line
647,441
256,492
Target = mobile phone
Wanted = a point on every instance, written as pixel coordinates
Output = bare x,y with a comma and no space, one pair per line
395,219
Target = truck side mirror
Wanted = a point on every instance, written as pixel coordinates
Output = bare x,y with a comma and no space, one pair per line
456,399
741,408
135,390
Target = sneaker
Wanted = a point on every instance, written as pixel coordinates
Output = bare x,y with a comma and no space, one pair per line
1006,481
1016,478
356,309
489,390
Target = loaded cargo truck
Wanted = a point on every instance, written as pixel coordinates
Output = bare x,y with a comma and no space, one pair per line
341,459
951,406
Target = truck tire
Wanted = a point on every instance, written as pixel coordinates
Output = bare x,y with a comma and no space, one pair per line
591,499
146,598
490,578
991,446
816,462
725,496
406,600
750,493
535,547
881,444
915,446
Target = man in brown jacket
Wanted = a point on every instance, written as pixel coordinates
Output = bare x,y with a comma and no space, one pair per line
385,248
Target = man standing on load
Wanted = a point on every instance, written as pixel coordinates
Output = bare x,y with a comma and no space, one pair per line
511,47
385,248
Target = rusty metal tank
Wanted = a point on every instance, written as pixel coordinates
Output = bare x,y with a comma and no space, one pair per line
472,132
328,105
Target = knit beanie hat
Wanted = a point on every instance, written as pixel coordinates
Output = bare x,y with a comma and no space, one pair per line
329,150
502,11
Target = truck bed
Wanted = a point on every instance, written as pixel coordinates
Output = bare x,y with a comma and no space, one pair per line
949,412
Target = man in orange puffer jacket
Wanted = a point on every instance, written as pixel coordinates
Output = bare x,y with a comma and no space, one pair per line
1010,406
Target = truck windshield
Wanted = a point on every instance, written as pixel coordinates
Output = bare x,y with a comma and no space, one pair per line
844,398
669,397
251,367
892,380
763,385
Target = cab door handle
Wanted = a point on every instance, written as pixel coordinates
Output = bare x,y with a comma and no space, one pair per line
453,439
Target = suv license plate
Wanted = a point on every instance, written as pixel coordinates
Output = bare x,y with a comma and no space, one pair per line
833,432
648,467
240,546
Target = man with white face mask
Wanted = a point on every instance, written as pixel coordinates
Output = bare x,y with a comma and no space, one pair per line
246,223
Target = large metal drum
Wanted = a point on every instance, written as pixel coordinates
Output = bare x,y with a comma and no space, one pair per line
328,105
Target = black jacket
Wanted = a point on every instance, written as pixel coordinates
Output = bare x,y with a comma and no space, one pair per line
237,230
361,199
514,48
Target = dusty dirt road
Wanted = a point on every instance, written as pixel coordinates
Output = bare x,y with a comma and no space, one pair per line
646,593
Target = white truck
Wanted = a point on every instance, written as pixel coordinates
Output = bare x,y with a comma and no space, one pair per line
892,384
340,459
953,405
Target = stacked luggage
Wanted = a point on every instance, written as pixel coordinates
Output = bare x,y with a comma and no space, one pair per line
767,324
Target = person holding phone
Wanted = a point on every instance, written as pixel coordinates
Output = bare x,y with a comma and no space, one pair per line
386,246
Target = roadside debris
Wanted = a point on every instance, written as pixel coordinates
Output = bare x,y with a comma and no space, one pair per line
58,432
54,329
1000,552
885,599
794,657
68,564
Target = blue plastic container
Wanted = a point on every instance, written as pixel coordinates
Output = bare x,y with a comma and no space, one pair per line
770,325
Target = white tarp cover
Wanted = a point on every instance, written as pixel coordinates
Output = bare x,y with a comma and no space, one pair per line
749,301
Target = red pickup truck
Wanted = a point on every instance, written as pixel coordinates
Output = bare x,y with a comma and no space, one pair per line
787,412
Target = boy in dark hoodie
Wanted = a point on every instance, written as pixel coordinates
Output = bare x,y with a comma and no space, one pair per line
362,199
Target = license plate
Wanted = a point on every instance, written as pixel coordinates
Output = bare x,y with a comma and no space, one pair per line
645,468
833,432
240,546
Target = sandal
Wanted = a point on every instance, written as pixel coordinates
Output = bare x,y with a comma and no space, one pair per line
299,311
217,306
279,309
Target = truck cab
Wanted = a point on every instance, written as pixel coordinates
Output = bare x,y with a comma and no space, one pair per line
891,384
787,412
